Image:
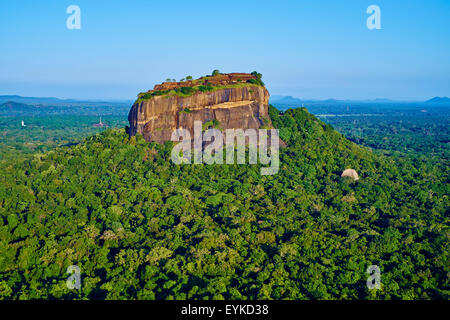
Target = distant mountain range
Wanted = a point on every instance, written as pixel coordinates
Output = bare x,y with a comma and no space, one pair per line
440,100
59,102
12,108
7,102
292,100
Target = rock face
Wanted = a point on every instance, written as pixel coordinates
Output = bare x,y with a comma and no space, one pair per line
239,106
220,79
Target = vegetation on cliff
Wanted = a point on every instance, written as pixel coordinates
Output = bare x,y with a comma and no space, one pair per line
140,227
188,87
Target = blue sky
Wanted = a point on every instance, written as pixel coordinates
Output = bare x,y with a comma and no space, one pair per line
309,49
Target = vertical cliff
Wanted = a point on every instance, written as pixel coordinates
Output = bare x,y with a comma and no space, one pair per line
225,101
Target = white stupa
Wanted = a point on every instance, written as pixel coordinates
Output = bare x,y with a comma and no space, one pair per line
350,173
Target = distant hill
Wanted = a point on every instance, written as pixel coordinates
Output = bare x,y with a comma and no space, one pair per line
32,100
59,102
440,100
13,108
285,100
292,100
382,100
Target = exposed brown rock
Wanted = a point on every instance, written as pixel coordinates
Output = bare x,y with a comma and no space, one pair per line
221,79
239,107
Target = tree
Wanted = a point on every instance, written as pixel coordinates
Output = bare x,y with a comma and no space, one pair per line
215,72
257,75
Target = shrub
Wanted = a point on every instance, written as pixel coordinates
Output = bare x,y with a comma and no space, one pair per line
256,81
187,90
186,111
206,88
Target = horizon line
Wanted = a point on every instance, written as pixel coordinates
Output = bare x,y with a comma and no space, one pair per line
278,95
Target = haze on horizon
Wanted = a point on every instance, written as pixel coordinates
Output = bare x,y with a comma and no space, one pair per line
311,50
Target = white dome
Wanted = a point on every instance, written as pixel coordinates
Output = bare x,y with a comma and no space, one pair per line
350,173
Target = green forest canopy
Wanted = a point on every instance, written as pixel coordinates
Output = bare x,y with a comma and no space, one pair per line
141,227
